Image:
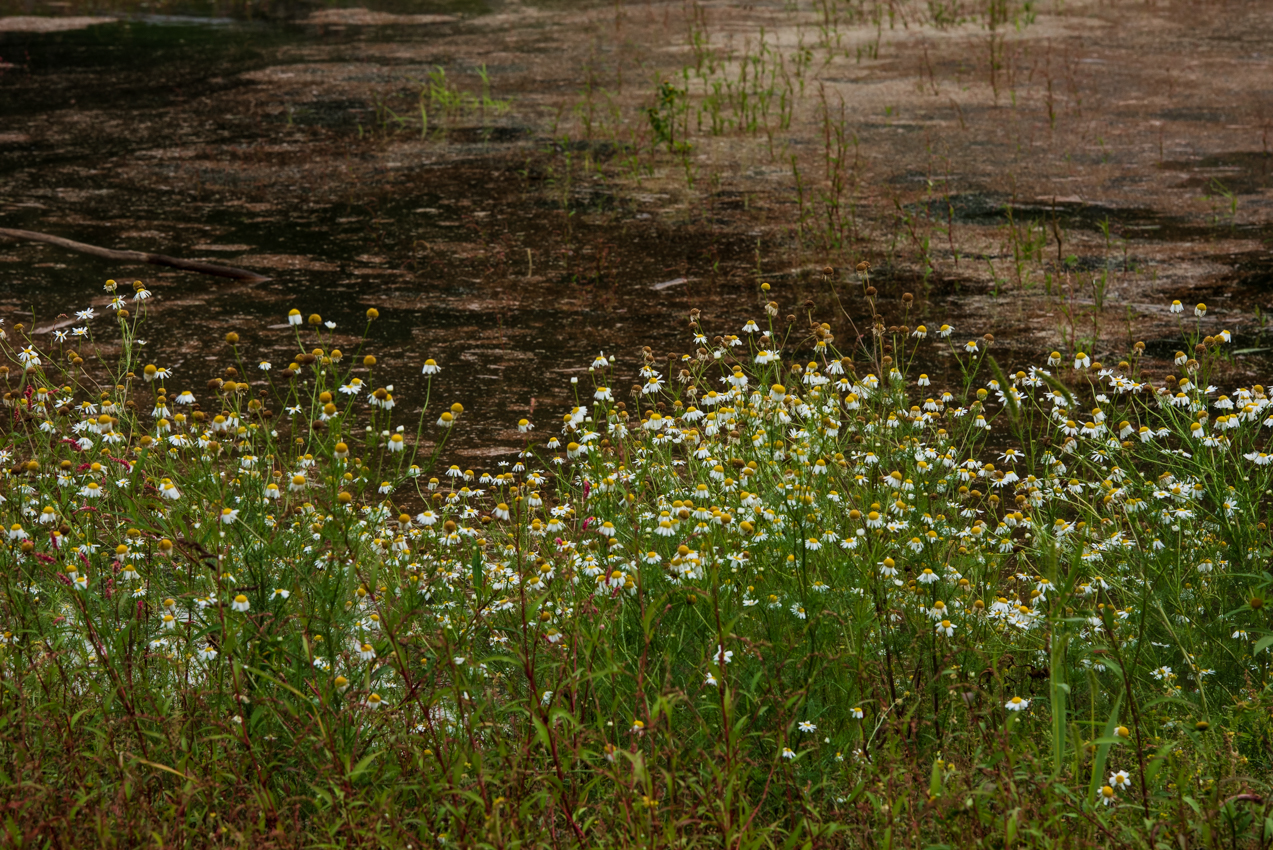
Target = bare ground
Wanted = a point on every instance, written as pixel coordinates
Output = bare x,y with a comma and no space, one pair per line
1054,176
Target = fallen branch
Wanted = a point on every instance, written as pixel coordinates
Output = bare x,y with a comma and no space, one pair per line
135,256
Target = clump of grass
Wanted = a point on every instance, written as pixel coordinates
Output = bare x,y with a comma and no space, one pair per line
781,591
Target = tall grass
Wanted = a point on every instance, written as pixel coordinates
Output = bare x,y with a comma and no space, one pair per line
780,592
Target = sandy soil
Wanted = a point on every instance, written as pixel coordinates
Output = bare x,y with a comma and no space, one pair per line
33,23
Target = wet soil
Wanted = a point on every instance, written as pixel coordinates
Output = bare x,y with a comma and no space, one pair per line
1055,179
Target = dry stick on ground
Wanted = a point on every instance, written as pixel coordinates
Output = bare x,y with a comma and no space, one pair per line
135,256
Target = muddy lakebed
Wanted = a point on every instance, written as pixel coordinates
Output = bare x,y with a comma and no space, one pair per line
518,186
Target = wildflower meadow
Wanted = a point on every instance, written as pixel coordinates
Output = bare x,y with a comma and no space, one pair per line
777,589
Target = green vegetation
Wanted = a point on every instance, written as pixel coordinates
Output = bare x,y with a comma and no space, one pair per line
440,105
783,592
